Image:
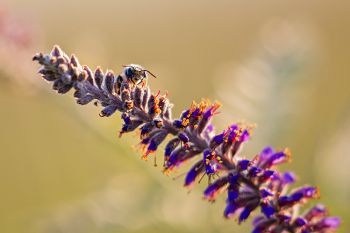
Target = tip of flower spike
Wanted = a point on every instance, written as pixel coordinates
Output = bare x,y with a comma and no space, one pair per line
56,51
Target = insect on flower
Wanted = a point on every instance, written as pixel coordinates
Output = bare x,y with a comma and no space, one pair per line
133,73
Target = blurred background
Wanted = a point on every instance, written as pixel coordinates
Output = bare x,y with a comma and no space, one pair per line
284,66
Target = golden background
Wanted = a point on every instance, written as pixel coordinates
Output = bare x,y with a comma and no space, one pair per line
281,64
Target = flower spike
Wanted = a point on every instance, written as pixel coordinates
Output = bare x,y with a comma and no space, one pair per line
249,185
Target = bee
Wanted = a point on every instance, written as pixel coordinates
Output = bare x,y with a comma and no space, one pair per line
134,74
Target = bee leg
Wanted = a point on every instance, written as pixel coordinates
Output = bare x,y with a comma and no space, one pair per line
118,84
133,82
143,83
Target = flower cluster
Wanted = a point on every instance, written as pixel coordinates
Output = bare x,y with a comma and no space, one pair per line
249,184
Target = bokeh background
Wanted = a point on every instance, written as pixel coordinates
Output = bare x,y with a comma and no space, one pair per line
282,65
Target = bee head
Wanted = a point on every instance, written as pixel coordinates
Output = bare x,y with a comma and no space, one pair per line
134,71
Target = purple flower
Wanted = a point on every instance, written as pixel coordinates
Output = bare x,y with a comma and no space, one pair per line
169,148
211,192
327,223
155,141
243,164
317,211
268,158
298,195
248,184
194,173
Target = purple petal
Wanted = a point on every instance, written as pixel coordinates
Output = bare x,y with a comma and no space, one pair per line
244,214
289,177
230,210
232,193
328,223
262,224
245,136
212,190
183,137
265,193
243,164
299,222
267,210
171,145
266,153
193,173
266,175
254,171
217,140
316,212
177,123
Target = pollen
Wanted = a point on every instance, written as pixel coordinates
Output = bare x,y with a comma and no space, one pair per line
185,122
216,105
157,110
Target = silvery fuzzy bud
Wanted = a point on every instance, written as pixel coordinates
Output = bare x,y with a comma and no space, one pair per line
74,61
56,51
98,77
146,95
65,88
49,77
66,79
109,110
90,75
60,60
62,69
137,95
109,82
82,76
57,84
125,95
85,99
167,114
